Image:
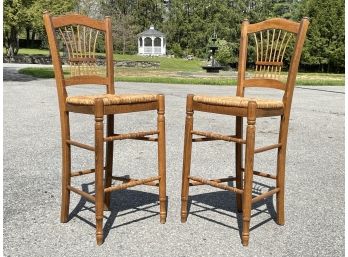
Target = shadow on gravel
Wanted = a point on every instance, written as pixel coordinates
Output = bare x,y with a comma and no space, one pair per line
223,203
11,74
131,201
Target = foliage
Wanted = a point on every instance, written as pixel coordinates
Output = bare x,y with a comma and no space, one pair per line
224,54
131,17
27,14
189,24
324,46
91,8
176,50
15,17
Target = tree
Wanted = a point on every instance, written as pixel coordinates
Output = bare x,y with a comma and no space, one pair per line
15,18
224,53
130,17
91,8
191,23
55,7
149,12
27,14
324,46
285,9
124,33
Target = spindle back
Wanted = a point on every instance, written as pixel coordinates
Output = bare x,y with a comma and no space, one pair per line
274,46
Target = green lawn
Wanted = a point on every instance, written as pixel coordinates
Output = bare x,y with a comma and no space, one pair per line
44,73
32,51
166,64
130,75
179,71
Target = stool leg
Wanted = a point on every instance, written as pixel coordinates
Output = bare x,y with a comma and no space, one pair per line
162,158
248,176
239,159
66,172
109,159
284,122
99,170
187,157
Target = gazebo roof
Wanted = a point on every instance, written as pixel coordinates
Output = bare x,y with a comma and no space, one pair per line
151,32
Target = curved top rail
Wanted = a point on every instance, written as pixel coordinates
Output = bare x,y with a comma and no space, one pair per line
275,23
77,19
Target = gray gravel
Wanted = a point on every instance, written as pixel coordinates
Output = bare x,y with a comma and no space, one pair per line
31,179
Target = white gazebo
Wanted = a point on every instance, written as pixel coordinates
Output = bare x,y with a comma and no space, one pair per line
151,42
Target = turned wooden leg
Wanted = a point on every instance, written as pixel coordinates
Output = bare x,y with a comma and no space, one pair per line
281,170
109,159
239,159
99,170
249,166
66,167
187,157
162,158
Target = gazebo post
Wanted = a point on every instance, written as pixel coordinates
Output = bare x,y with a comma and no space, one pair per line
163,49
139,46
153,45
143,38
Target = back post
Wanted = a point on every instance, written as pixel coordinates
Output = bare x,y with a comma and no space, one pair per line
242,57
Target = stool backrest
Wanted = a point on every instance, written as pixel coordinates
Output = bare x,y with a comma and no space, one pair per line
271,45
84,45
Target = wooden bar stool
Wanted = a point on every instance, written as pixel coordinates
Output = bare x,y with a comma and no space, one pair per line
81,37
276,43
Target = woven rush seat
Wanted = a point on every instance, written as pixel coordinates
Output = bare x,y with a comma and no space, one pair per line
237,101
111,99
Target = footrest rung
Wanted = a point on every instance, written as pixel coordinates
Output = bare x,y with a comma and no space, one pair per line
266,148
265,195
151,183
82,172
88,196
133,135
217,180
216,184
131,184
84,146
262,174
152,139
217,136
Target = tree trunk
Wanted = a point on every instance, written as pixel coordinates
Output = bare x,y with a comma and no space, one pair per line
32,38
124,44
124,38
28,34
12,43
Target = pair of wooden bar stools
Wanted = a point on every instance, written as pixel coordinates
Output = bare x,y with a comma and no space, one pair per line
86,46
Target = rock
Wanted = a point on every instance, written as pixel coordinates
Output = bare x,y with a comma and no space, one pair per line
44,59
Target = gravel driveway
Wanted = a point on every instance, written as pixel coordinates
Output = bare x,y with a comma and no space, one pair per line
31,179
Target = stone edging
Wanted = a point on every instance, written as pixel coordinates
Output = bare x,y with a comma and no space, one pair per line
44,59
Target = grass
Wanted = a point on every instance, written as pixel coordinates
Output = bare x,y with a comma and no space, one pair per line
179,71
192,81
166,64
320,79
44,73
31,51
310,79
